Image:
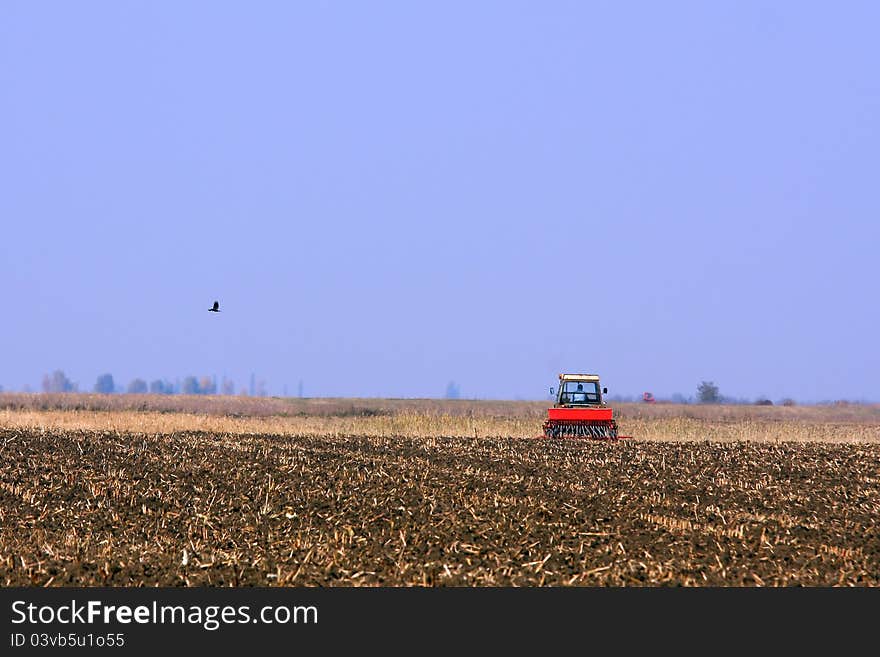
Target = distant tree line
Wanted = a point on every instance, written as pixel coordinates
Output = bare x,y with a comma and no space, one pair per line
190,385
709,393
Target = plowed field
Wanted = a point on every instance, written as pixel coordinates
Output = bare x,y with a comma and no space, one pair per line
127,508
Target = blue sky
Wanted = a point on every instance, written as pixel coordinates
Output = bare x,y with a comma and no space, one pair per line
388,196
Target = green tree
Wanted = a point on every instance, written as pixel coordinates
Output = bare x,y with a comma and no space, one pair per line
707,393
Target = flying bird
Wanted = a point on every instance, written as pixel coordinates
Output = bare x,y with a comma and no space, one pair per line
215,308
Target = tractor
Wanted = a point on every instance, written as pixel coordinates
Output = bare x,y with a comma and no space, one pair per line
580,410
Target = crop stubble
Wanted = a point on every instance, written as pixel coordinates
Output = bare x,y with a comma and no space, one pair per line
126,508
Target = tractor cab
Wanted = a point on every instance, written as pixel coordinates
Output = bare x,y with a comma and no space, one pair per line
579,390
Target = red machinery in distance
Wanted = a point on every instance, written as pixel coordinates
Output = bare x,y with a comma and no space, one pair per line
580,410
648,398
